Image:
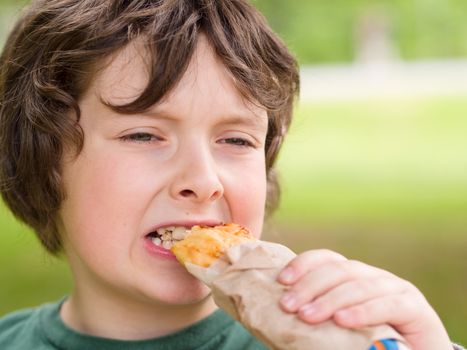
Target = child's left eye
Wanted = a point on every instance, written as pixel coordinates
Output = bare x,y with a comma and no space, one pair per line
237,141
140,137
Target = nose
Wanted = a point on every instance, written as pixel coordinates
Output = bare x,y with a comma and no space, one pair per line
197,179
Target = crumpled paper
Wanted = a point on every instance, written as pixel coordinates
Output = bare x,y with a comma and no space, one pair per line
244,284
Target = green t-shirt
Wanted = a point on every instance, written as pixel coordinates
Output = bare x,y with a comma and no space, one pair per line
42,328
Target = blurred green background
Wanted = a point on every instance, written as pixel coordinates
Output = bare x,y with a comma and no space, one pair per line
379,175
324,31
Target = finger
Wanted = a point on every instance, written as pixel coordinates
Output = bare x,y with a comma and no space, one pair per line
350,293
408,312
396,309
305,262
324,278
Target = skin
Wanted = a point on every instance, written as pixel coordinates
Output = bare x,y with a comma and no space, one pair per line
325,285
196,157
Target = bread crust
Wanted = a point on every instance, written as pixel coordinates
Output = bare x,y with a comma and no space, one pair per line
204,244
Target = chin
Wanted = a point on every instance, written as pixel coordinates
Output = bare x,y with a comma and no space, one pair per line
184,298
179,291
195,297
193,293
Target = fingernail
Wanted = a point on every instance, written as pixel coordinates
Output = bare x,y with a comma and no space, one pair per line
287,275
289,301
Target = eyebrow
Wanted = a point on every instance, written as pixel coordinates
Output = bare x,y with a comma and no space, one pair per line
250,119
247,118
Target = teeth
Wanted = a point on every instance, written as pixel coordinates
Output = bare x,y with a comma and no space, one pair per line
161,243
167,244
172,233
169,235
165,230
156,241
179,233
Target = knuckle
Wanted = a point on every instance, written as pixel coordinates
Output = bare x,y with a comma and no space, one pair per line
331,254
302,287
385,284
368,286
410,287
313,258
361,267
355,316
301,259
406,303
360,315
350,268
398,302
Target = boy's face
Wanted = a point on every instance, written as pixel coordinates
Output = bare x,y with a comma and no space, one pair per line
195,158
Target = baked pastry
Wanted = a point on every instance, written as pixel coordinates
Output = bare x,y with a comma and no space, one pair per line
242,274
204,245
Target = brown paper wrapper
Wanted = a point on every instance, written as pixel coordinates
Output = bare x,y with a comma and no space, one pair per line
244,284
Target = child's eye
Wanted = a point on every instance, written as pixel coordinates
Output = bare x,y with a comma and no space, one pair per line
238,141
140,137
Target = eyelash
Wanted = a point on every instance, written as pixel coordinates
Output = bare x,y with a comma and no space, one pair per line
140,137
144,137
238,141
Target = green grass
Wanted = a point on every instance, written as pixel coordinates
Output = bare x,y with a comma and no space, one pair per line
384,182
388,161
28,275
380,181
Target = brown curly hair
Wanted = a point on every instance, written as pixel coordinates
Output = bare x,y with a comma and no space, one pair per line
54,50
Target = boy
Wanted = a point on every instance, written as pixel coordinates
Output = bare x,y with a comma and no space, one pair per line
119,118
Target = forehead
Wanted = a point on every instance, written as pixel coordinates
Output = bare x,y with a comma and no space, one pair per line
127,73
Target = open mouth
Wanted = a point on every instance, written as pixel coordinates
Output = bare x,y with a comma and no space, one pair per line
165,237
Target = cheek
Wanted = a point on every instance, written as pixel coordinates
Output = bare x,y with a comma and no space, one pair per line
104,200
246,197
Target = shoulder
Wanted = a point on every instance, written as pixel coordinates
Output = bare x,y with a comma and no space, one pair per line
18,327
16,320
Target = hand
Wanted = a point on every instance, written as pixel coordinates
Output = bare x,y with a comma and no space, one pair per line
325,285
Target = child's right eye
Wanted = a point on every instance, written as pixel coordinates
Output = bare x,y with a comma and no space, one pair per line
141,137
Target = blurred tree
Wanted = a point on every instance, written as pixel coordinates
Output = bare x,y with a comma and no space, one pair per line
324,31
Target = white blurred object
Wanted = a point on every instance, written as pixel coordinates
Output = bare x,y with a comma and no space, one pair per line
374,42
384,79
